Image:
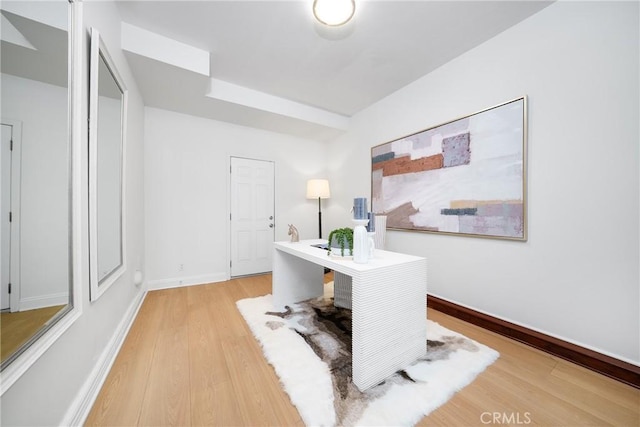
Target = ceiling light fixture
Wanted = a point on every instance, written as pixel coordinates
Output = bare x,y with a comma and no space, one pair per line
334,12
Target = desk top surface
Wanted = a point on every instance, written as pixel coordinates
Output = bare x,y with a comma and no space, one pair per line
381,259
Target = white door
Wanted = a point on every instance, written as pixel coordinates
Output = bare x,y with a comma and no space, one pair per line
252,216
5,226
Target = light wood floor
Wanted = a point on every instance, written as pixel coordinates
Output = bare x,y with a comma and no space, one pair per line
190,359
16,328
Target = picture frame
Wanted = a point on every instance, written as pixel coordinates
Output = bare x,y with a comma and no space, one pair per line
464,177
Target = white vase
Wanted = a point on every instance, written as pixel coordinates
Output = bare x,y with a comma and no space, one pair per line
372,243
361,246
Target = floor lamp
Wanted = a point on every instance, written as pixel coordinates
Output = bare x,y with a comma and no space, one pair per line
318,189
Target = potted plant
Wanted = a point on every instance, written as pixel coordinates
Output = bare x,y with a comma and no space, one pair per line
341,241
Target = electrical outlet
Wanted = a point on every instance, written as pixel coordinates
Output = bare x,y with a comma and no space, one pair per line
180,267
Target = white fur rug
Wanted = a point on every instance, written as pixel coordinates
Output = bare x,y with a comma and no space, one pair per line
318,391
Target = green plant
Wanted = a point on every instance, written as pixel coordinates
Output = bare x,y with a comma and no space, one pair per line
343,236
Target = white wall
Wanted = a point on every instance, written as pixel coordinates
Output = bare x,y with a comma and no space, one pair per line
44,183
577,276
186,191
48,391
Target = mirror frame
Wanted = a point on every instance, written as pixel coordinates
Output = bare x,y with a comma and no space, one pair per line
98,51
38,344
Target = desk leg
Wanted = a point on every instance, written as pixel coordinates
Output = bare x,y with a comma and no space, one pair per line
389,321
294,279
341,290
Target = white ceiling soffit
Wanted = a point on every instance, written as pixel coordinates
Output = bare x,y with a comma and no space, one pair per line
273,67
46,12
10,34
176,89
185,92
229,92
164,49
33,49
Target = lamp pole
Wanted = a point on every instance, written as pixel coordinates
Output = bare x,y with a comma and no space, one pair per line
318,188
319,219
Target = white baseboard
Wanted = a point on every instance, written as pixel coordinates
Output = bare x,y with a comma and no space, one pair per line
43,301
81,406
177,282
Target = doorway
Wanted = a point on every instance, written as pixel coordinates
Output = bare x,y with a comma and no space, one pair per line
252,216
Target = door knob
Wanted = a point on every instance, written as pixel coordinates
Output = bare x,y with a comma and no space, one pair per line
270,225
271,217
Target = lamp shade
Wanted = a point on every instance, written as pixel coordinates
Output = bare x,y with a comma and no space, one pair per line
318,188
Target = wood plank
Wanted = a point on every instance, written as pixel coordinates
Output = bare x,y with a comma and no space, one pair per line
256,285
209,376
190,359
215,406
175,315
606,387
256,387
129,374
612,400
17,328
521,384
226,317
167,399
598,362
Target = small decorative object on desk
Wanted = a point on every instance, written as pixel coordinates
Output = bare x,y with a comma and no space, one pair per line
360,208
372,243
361,243
371,231
371,226
340,242
293,232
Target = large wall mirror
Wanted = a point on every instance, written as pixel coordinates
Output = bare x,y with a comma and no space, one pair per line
35,179
107,113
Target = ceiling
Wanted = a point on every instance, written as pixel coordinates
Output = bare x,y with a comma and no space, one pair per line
32,49
310,79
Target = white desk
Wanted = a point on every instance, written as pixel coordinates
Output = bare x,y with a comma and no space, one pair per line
388,297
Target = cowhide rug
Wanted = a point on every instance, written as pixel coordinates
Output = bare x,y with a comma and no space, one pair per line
309,346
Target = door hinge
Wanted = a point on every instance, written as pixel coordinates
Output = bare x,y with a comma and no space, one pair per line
10,216
11,145
9,287
229,217
230,264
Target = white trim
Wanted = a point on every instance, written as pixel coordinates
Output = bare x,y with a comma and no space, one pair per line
228,223
178,282
79,409
42,301
19,366
77,225
99,286
16,209
16,185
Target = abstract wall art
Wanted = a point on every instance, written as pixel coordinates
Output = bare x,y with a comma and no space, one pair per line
464,177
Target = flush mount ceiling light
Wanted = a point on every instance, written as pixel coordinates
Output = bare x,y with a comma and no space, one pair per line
334,12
